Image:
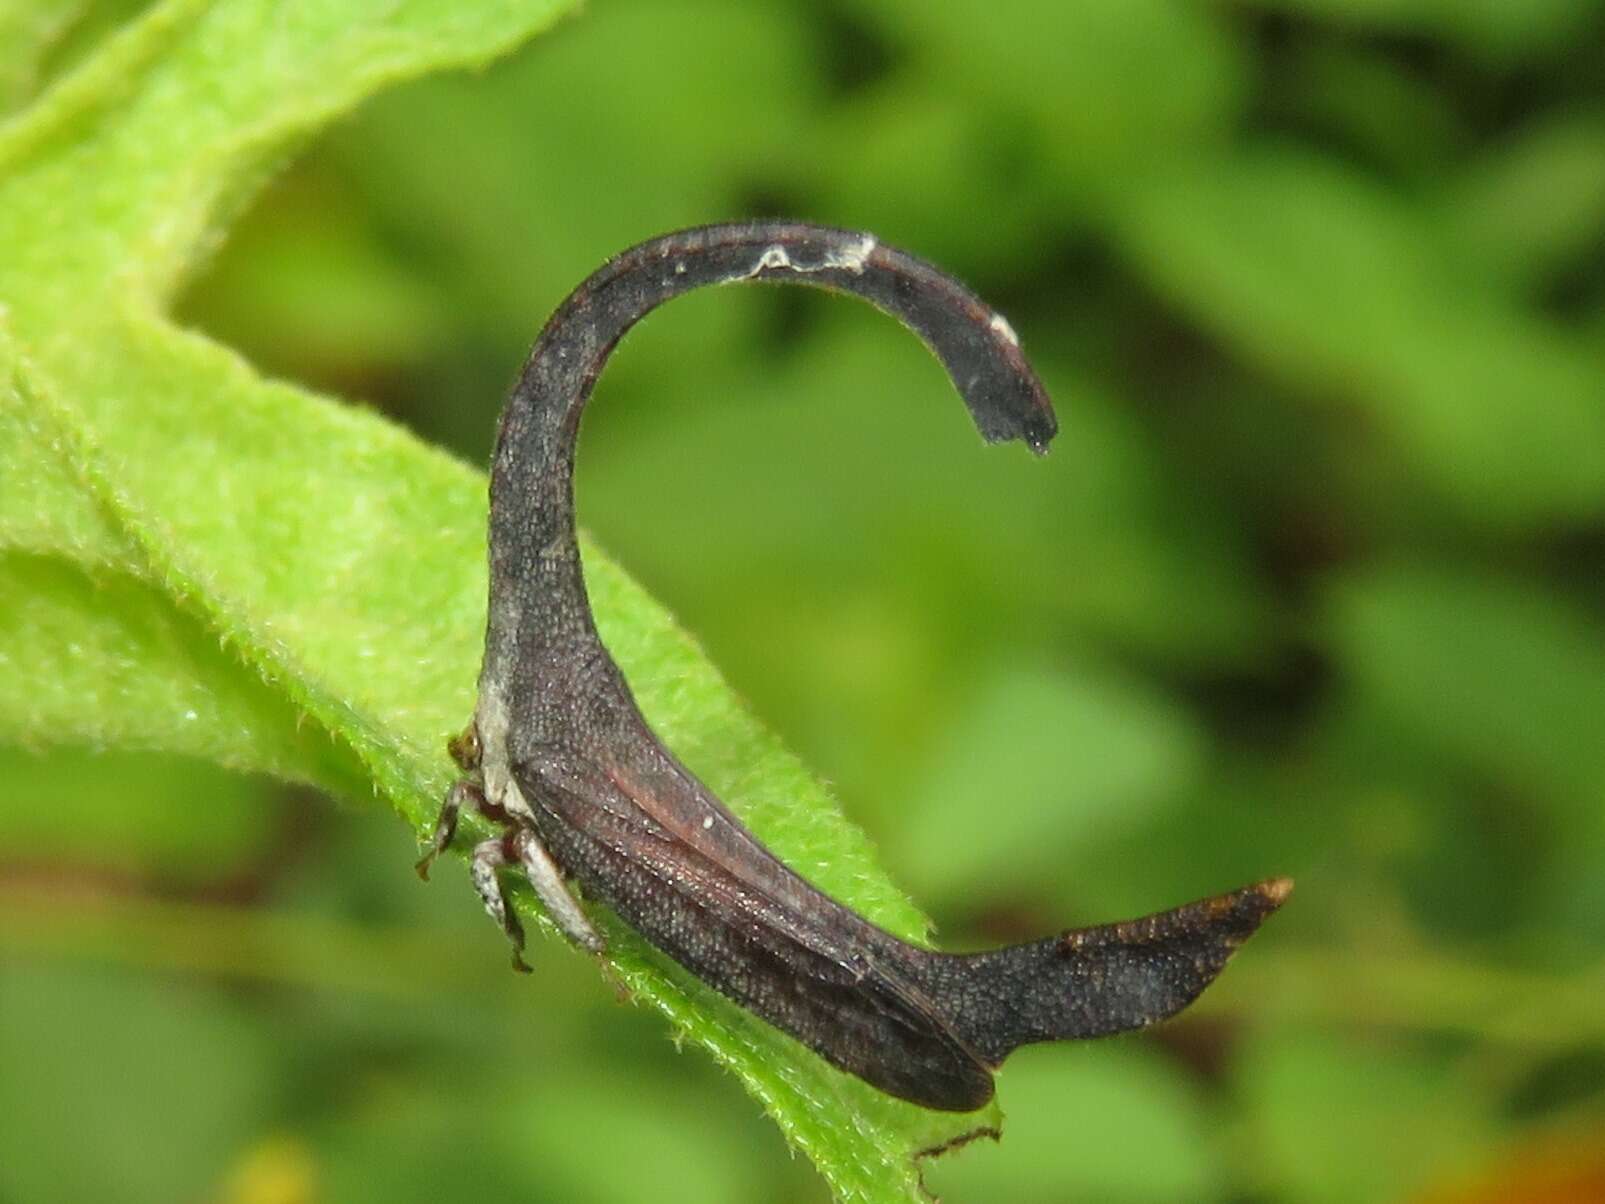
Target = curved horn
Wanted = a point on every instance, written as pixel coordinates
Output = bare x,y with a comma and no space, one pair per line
532,470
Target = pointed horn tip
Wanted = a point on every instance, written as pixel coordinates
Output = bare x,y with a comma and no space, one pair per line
1236,915
1254,904
1029,416
1275,891
1039,434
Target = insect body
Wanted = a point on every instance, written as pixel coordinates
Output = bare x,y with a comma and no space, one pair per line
559,756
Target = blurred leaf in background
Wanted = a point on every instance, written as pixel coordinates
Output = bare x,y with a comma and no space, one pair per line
1313,582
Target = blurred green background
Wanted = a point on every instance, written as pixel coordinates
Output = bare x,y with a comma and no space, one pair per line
1312,583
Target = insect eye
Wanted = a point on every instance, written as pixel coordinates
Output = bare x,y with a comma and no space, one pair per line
464,748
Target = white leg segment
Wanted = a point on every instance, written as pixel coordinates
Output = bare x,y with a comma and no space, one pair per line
548,882
488,858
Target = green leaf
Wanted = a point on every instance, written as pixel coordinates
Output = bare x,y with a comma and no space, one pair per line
234,568
1314,1100
28,31
455,161
205,1073
1494,28
1497,674
107,660
44,509
1117,86
1109,1121
114,811
1343,289
995,813
1533,207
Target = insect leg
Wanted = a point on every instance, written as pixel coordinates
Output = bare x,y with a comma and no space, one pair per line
462,791
489,856
548,882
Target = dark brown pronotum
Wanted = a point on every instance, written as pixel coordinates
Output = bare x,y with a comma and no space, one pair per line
561,759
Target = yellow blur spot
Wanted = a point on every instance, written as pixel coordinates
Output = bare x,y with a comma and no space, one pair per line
277,1170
